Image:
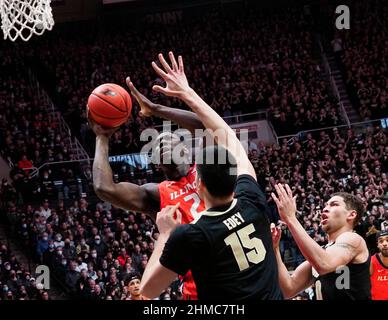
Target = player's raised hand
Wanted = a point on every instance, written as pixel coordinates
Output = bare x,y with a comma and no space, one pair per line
174,76
146,105
168,219
98,129
276,234
285,202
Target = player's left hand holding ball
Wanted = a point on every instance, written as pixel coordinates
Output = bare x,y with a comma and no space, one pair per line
98,129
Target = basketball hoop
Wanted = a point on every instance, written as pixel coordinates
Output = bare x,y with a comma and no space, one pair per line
23,18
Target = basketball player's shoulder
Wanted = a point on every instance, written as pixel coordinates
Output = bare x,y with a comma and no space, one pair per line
166,184
350,238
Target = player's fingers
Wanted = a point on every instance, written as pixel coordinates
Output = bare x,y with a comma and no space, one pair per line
181,66
279,193
163,211
159,215
275,199
160,89
178,216
159,71
164,63
289,191
166,91
131,86
173,61
283,191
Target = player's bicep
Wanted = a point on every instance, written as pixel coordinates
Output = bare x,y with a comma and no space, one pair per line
244,165
129,196
340,254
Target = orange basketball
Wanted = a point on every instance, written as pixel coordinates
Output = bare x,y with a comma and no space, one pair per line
110,105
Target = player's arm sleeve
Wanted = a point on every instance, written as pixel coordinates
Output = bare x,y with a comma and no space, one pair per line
180,249
247,188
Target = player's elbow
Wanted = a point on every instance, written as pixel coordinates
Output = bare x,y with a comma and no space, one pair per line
103,190
288,290
289,294
324,267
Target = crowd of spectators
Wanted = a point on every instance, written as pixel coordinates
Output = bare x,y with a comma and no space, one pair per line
16,283
365,61
239,61
96,245
29,135
93,251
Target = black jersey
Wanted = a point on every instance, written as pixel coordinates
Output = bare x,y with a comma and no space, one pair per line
228,249
350,283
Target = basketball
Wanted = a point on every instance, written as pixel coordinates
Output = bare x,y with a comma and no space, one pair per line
109,105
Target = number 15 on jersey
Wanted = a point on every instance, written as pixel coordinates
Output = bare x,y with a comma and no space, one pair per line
239,240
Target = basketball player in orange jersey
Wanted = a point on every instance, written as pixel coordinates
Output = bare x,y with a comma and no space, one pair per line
152,197
379,268
134,287
324,265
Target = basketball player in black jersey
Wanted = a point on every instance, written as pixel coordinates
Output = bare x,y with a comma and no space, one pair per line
340,270
229,247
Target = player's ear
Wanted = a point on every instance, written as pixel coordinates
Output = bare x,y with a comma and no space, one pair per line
352,215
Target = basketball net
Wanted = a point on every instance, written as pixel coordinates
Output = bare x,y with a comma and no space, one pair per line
23,18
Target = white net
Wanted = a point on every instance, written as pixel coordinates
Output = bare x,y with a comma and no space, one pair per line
23,18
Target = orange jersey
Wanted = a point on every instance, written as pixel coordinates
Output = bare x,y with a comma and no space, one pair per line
379,279
183,191
191,205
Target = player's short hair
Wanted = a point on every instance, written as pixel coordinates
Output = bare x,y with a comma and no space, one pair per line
132,276
217,170
352,203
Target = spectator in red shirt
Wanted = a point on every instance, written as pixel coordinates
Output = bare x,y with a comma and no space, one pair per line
25,164
122,258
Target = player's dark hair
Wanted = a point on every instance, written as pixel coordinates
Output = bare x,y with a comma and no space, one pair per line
217,169
352,203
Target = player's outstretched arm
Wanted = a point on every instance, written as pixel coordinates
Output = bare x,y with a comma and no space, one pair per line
127,196
177,86
301,278
348,245
185,119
